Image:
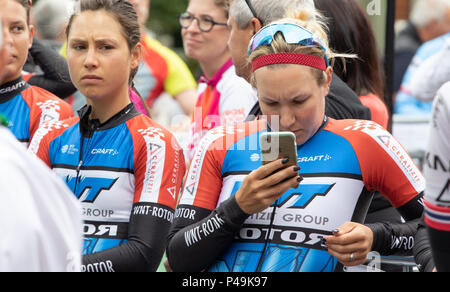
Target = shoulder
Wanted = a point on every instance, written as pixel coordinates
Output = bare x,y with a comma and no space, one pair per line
144,130
234,86
224,137
50,130
39,97
360,133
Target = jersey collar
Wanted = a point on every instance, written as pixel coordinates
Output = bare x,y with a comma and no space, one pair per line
88,126
11,89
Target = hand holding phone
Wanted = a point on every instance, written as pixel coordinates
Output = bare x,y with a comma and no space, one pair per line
278,174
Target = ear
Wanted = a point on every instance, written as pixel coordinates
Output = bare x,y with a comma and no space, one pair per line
31,29
136,56
256,25
329,74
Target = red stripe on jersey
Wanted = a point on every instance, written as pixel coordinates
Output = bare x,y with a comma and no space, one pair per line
39,101
44,136
385,165
158,162
204,180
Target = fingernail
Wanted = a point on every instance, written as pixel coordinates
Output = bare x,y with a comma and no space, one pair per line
297,168
284,161
335,231
299,179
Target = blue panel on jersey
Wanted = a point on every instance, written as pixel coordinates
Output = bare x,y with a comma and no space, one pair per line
327,152
109,148
65,149
244,155
315,156
244,257
93,245
18,113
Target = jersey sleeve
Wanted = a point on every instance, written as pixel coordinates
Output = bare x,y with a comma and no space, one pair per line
385,165
45,107
159,167
158,170
40,144
191,247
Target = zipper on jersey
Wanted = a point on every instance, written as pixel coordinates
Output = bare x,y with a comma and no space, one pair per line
92,129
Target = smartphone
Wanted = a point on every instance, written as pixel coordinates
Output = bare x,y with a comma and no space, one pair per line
276,145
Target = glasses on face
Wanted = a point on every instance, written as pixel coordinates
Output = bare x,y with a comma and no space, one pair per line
205,23
292,33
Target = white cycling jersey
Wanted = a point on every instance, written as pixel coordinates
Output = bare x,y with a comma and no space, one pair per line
437,167
40,226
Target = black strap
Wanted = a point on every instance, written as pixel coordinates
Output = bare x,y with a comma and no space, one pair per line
254,113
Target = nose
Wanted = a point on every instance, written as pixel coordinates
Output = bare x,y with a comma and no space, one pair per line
7,38
91,60
287,118
193,28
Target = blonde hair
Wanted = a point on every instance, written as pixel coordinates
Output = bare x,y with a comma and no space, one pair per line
313,21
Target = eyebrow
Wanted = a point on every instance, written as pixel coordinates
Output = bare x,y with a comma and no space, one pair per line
101,41
16,22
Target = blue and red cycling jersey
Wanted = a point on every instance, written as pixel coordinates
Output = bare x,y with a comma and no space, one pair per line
341,165
127,174
27,107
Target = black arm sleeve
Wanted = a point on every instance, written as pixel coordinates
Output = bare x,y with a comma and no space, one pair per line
343,103
422,249
200,236
395,238
439,242
56,77
145,246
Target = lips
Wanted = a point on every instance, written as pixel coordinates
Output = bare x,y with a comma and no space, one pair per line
91,77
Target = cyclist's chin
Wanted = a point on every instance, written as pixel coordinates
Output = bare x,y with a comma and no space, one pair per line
10,72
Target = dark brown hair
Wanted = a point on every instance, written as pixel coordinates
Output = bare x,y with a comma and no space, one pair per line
125,14
351,32
26,5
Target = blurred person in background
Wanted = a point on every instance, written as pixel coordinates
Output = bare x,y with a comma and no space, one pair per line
432,19
246,19
50,18
428,20
162,71
223,97
45,68
351,32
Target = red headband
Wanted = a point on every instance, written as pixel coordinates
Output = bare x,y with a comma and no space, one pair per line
289,58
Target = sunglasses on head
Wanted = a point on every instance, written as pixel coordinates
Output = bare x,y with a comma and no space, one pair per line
293,34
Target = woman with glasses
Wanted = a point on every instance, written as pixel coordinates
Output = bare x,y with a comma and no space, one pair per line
223,97
304,215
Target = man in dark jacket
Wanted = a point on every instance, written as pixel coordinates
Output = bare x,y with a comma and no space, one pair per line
248,17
